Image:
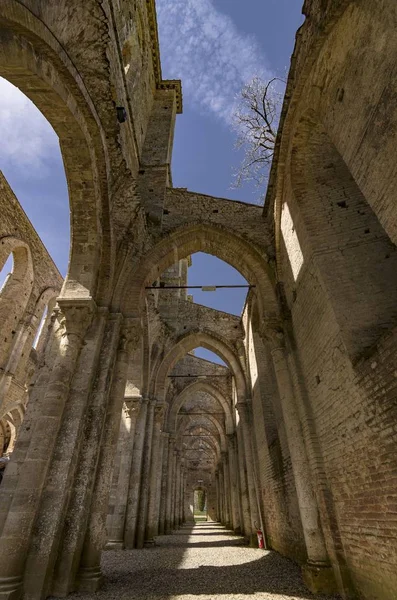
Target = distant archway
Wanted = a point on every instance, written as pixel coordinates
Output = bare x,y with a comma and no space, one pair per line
187,343
190,390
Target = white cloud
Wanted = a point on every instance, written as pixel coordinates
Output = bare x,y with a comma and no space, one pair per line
204,48
27,139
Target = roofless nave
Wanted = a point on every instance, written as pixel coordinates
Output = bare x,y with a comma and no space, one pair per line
111,422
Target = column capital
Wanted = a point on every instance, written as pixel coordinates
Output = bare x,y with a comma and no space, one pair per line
131,405
131,334
272,332
159,411
75,315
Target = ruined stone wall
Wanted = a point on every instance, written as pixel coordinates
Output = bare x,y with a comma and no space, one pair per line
196,317
335,235
274,472
28,292
183,207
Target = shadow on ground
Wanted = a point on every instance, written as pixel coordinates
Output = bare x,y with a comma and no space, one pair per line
177,567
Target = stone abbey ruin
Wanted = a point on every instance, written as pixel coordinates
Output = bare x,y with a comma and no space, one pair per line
112,423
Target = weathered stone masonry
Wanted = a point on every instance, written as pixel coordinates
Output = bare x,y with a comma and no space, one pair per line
297,433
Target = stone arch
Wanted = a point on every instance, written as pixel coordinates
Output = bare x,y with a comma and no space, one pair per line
33,60
186,344
217,445
16,292
200,421
341,235
200,386
187,240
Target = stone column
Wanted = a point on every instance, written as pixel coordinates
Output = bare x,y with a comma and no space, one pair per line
182,496
177,483
116,520
145,477
233,477
173,488
163,490
221,493
155,476
245,504
82,487
218,511
317,573
188,516
135,477
76,316
89,575
170,476
226,485
244,413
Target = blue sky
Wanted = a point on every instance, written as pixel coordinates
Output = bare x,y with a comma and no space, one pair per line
215,47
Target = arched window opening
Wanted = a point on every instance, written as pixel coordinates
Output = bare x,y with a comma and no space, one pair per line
212,275
209,356
291,241
6,272
33,166
40,328
201,279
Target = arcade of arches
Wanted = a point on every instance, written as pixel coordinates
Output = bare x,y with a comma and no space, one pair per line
112,422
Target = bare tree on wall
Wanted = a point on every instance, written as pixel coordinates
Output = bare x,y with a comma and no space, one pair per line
256,120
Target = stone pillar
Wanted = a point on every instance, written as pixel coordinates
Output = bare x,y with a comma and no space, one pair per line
163,490
76,316
226,485
145,477
82,486
233,478
134,487
89,575
221,493
170,476
317,573
218,512
158,486
245,420
245,504
116,520
173,488
155,476
182,496
188,502
177,484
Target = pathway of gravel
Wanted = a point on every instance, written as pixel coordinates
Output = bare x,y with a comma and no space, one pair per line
204,562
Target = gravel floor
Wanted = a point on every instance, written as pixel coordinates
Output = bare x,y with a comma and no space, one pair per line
205,562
